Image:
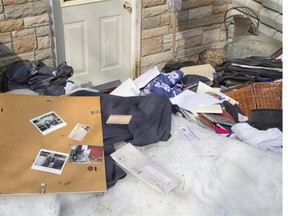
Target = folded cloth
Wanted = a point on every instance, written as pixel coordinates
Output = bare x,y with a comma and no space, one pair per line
271,139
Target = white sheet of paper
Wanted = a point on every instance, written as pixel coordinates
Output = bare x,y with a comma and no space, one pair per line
79,132
214,108
146,77
202,88
126,89
190,100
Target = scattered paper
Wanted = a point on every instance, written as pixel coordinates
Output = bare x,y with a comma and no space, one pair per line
214,108
132,160
221,98
189,133
189,115
79,132
202,88
126,89
190,100
146,77
219,118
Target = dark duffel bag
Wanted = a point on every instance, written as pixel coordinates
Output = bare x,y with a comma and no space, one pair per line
248,70
263,119
37,76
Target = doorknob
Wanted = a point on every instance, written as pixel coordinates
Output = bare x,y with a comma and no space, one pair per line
127,5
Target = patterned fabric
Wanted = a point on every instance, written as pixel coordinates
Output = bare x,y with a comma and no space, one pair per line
169,84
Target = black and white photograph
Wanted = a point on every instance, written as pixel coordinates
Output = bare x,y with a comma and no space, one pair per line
48,122
50,161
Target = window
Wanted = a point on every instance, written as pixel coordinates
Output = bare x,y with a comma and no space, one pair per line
64,3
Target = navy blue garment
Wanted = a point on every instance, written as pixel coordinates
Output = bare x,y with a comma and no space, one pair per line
150,123
169,84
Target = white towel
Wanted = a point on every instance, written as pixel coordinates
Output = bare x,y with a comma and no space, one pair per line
271,139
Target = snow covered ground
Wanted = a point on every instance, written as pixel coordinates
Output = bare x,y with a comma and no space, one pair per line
219,176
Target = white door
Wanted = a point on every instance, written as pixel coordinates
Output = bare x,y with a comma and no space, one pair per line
94,37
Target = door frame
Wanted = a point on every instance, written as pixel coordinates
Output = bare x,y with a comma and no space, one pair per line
135,66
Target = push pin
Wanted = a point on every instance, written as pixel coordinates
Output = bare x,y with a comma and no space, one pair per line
94,112
42,188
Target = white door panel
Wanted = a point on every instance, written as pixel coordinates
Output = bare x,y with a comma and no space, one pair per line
76,46
95,41
111,45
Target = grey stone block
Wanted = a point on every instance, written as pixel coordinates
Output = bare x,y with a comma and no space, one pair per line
26,10
272,4
279,23
268,17
1,7
267,30
151,22
280,7
278,36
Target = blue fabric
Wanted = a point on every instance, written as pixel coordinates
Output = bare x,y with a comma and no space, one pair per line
169,84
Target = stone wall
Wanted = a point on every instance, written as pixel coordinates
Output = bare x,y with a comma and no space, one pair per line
25,29
199,25
270,15
24,32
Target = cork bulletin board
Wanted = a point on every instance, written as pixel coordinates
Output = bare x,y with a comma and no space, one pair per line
23,135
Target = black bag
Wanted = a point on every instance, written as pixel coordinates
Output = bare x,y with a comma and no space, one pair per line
263,119
247,70
38,77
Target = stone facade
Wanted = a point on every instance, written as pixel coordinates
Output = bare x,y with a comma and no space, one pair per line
199,25
24,32
25,29
270,15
